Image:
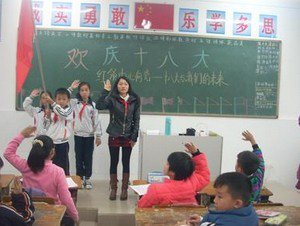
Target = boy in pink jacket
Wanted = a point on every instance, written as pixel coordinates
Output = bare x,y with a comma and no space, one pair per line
187,177
39,172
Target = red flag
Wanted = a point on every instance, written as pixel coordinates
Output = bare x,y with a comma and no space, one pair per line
154,16
25,43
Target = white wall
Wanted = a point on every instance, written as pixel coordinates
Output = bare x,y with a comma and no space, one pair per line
279,138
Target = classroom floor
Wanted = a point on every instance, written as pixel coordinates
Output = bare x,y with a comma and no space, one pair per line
96,209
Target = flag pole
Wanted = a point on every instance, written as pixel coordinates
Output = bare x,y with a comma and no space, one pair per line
39,56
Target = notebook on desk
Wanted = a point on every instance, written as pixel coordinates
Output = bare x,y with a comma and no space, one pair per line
71,183
140,189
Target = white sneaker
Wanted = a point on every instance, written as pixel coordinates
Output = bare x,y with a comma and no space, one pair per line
88,185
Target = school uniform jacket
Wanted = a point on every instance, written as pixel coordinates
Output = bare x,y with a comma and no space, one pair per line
178,191
41,122
60,128
86,120
51,180
20,213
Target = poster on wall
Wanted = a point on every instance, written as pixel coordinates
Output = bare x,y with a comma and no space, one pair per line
90,15
215,22
242,24
267,26
118,16
37,10
61,14
188,20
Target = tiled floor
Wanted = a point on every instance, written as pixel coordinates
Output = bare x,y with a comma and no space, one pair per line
284,195
115,213
98,198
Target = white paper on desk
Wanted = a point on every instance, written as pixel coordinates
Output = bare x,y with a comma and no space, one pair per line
140,189
71,183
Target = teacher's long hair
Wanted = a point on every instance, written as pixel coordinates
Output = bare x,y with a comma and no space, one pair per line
115,91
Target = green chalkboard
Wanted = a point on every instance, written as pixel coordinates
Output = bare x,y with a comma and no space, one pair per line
173,74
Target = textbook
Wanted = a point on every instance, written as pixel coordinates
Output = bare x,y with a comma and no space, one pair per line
264,214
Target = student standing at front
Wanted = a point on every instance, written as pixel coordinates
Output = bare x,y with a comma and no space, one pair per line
60,127
87,130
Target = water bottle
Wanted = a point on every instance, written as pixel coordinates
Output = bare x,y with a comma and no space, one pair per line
168,126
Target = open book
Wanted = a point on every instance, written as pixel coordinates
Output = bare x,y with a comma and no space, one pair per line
140,189
71,183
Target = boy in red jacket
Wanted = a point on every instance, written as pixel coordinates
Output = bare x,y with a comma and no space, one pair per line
187,176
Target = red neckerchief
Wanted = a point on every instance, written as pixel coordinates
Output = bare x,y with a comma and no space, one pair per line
84,104
55,118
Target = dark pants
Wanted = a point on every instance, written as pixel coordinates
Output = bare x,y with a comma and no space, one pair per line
67,221
114,159
61,157
84,148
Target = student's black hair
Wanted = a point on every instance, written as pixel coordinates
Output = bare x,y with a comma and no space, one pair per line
181,164
248,162
62,91
41,148
90,101
238,184
50,95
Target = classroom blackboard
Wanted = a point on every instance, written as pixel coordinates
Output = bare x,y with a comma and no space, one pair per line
173,74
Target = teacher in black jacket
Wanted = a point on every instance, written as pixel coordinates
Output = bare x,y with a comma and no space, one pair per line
124,109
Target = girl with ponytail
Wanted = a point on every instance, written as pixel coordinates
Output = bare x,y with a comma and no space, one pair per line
39,172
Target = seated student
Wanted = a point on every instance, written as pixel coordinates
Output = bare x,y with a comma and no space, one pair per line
232,203
252,164
39,172
187,176
21,211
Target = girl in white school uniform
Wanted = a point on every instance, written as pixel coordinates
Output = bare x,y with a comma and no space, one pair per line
41,114
87,130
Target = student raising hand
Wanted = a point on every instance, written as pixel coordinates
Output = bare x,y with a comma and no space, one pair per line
35,93
190,148
75,84
107,85
247,136
28,131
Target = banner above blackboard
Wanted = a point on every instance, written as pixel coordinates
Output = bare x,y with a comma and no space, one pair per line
172,74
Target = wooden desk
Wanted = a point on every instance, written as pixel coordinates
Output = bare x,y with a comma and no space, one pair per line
5,181
167,216
205,196
48,215
74,191
177,215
